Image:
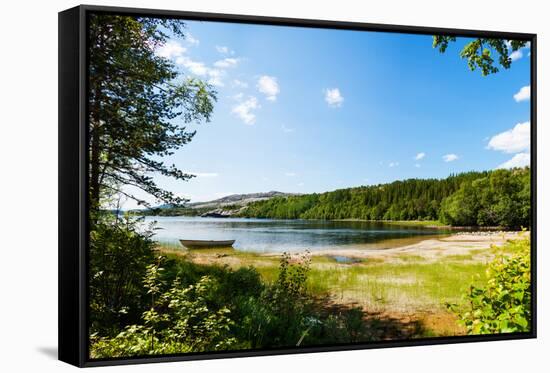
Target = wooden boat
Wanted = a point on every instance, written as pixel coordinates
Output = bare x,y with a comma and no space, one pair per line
198,244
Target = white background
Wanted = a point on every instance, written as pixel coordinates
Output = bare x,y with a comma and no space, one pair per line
28,185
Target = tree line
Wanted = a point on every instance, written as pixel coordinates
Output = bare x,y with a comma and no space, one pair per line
488,198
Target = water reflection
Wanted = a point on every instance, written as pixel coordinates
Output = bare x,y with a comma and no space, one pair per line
265,235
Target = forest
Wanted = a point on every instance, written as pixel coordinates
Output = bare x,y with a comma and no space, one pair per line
499,198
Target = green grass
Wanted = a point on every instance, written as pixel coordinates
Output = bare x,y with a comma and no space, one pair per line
414,223
407,284
400,286
418,223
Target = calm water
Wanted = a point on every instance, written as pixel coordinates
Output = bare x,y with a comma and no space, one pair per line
265,235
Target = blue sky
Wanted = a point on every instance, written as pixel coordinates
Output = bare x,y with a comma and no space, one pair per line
311,110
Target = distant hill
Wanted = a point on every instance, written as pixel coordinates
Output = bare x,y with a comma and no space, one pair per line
222,207
239,199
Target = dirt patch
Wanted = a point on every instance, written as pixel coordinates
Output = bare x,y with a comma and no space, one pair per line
445,323
391,325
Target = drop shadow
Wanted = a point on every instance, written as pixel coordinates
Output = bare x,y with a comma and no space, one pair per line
48,351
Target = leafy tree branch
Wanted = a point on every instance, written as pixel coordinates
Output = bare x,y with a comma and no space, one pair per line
482,52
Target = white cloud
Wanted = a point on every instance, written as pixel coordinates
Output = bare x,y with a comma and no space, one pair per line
238,97
518,160
199,68
268,86
245,110
333,97
205,174
174,50
516,55
420,156
450,157
300,184
224,50
290,174
393,164
226,63
524,94
171,49
287,129
192,40
417,165
196,67
215,77
514,140
240,83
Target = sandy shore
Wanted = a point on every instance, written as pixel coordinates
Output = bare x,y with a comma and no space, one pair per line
455,244
428,249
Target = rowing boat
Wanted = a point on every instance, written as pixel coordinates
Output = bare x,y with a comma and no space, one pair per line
197,244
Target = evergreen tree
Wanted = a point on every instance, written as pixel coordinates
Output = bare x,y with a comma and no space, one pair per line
137,106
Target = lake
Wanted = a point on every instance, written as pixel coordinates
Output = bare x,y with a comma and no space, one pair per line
272,236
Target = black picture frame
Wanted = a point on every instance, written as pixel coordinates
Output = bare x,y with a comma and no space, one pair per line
73,196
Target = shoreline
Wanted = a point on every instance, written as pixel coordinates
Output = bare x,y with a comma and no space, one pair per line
429,224
459,243
410,281
428,248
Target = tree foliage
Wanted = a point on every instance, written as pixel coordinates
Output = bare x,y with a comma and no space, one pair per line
503,305
491,198
482,52
138,106
502,198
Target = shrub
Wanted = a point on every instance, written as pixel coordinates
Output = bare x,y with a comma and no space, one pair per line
282,315
179,320
118,259
503,305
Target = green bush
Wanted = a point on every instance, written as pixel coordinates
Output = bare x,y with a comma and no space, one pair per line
118,259
283,313
503,304
179,320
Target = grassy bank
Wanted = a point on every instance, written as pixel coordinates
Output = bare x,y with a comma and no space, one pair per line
401,285
409,284
409,223
419,223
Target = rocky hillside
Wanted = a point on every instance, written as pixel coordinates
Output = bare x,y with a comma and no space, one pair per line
222,207
233,204
239,199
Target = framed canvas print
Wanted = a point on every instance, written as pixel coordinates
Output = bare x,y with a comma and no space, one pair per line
239,185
